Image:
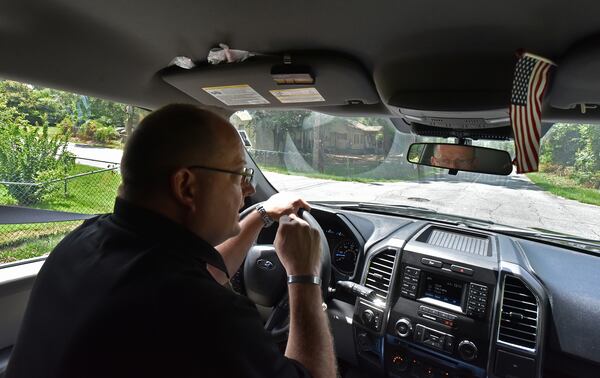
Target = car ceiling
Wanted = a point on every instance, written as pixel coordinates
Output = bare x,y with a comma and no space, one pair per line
117,49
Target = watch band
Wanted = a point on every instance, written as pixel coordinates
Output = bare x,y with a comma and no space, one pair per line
315,280
266,218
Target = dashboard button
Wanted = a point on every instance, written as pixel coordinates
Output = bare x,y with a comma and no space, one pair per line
419,332
461,269
430,262
449,345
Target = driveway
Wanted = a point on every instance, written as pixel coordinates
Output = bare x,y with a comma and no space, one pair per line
511,200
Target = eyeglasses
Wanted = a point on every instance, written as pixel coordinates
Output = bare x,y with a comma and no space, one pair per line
246,173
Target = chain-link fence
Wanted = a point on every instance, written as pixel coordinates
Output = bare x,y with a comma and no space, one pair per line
90,188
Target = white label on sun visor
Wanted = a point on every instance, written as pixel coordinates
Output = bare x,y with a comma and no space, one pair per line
289,96
232,95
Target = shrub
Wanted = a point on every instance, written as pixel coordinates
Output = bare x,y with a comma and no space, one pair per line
105,134
30,156
88,129
66,126
97,131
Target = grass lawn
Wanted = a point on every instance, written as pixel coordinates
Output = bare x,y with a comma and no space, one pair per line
565,187
35,247
91,194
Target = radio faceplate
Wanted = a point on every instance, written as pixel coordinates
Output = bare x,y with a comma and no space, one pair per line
440,290
446,305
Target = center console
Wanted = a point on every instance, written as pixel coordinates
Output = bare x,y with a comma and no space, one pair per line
435,318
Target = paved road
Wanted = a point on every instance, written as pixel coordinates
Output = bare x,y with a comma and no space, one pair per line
109,155
511,200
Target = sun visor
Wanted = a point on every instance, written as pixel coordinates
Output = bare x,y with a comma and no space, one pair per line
577,78
252,84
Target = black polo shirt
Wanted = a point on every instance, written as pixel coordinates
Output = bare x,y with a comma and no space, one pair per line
128,295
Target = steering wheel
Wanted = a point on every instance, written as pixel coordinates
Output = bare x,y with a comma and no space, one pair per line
265,278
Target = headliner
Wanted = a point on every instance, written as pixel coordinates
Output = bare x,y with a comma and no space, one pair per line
114,49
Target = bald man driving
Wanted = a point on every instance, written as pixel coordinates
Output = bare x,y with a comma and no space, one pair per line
138,293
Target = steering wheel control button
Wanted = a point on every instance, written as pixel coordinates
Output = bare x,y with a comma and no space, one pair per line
461,269
403,327
467,350
432,263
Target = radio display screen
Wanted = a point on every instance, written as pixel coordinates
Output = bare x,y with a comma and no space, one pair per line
443,289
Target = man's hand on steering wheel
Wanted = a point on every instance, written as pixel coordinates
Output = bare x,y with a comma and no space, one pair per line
284,204
298,246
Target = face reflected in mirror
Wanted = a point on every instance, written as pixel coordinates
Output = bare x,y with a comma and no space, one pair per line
460,157
454,157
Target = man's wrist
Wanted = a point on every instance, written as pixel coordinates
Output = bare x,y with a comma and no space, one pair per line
266,218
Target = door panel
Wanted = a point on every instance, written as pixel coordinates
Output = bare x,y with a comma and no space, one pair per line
16,281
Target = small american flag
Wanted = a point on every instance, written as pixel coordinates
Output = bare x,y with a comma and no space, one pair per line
529,84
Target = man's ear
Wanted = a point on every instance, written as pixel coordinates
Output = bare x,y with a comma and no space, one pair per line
184,188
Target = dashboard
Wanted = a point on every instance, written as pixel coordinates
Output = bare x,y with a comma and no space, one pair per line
456,302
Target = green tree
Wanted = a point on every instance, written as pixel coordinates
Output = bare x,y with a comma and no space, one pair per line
35,104
562,143
278,122
29,159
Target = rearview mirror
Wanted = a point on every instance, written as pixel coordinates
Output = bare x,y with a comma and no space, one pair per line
461,157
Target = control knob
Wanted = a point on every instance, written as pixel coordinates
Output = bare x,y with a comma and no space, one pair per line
467,350
368,316
403,327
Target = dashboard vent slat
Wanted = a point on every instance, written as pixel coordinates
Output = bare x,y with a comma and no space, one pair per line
519,315
380,271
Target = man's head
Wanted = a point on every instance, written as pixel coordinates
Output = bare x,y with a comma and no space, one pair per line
160,170
454,156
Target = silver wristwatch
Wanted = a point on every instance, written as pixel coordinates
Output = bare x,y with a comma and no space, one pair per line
266,218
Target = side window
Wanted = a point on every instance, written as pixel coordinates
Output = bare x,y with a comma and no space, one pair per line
58,151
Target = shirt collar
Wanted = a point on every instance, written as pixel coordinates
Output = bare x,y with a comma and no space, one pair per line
158,227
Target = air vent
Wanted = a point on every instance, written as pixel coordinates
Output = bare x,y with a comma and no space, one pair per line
380,272
519,317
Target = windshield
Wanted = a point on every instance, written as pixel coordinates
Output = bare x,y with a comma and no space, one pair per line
363,159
